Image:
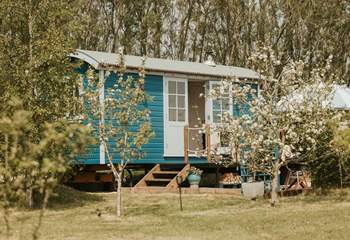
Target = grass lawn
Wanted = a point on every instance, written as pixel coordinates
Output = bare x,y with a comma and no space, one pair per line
157,216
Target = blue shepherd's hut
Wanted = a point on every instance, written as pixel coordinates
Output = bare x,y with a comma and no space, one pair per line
177,111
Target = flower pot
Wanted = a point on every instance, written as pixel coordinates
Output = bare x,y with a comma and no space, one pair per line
194,179
253,189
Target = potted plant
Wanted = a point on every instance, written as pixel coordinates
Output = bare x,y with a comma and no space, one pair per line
253,188
194,176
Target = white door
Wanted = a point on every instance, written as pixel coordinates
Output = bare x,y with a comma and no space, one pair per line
214,110
175,115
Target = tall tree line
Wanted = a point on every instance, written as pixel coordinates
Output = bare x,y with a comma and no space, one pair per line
38,83
37,35
188,29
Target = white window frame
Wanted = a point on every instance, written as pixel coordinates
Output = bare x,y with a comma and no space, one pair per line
211,104
166,100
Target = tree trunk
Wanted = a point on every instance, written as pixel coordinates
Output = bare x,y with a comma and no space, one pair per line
28,190
46,194
340,172
119,195
274,188
6,204
30,197
6,216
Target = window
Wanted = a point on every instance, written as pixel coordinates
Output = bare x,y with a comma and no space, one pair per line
176,101
220,105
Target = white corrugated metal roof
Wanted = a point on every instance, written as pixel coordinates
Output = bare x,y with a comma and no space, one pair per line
100,59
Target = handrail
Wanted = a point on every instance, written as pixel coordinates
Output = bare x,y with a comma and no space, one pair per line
186,144
142,182
207,142
207,149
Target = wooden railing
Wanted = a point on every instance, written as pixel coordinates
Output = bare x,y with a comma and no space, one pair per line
186,143
208,142
207,149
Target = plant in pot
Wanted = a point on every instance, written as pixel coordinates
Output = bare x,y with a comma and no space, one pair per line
194,176
253,188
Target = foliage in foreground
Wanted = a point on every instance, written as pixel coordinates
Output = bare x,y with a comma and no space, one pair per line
28,166
37,141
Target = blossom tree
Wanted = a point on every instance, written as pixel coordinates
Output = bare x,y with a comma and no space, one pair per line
124,121
280,123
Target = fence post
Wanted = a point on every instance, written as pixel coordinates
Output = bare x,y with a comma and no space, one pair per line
186,144
207,134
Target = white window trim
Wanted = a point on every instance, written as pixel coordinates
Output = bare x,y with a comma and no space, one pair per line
102,108
211,105
166,101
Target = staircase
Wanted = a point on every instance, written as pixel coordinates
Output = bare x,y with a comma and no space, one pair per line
162,178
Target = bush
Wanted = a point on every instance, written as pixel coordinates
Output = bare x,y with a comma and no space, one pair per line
329,167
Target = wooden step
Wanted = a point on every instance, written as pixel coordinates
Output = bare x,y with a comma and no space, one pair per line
182,173
171,167
163,176
166,172
158,182
148,176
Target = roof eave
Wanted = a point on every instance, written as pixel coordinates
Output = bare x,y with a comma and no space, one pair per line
112,67
98,65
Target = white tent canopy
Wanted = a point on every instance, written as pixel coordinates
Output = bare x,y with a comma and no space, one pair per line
341,97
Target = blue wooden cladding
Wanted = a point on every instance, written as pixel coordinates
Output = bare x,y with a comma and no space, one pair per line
166,128
154,149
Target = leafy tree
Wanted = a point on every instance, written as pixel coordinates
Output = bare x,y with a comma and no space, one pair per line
36,38
187,29
124,121
340,144
49,158
38,142
329,164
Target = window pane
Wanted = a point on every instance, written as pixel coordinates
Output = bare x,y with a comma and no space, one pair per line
172,101
172,87
216,104
224,139
216,116
225,95
180,88
181,115
181,101
215,86
225,104
226,113
172,114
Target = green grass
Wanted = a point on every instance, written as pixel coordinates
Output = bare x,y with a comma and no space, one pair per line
157,216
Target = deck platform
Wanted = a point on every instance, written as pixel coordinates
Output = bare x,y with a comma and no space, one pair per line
186,190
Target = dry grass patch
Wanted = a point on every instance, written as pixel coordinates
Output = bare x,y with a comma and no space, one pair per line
205,216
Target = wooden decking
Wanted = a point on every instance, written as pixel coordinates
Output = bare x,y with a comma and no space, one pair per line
187,190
